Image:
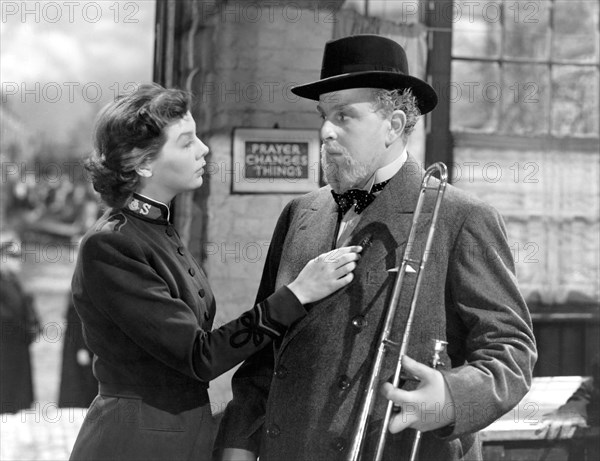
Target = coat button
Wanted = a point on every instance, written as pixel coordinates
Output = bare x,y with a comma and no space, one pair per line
191,271
281,372
273,431
338,444
201,292
359,322
170,232
343,382
180,251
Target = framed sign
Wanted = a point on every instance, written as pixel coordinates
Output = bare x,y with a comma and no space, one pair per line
275,161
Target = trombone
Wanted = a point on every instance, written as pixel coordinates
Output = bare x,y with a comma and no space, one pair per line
359,433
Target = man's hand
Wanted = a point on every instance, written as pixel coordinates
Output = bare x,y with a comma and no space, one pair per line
428,407
237,454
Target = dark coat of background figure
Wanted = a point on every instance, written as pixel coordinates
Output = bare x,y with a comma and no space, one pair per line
297,400
78,386
19,328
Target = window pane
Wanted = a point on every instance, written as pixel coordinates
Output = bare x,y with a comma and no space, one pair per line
526,29
476,29
525,99
473,95
574,101
575,36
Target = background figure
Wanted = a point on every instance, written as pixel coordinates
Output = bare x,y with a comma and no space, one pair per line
78,386
19,328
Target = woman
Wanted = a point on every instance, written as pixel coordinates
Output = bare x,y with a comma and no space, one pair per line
145,303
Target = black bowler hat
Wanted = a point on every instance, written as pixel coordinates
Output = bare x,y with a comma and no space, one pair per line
367,61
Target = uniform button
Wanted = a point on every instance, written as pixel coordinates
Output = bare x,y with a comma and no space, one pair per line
273,431
359,322
338,444
201,292
170,232
180,251
191,271
343,382
281,372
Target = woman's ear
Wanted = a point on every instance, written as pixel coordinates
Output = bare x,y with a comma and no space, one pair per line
144,171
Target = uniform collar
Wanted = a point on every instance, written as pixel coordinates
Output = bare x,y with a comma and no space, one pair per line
148,208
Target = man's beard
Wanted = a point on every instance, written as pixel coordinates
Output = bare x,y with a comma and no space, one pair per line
342,171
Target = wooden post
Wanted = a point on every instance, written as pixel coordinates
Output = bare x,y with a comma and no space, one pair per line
438,18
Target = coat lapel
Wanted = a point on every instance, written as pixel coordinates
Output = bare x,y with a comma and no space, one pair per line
310,234
382,231
384,226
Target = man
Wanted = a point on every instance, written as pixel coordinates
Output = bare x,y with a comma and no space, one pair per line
299,400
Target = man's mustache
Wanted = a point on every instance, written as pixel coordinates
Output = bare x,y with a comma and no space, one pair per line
333,149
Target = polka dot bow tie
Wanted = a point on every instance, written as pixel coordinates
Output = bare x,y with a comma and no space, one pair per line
361,198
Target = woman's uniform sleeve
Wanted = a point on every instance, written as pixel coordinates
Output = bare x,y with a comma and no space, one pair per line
119,280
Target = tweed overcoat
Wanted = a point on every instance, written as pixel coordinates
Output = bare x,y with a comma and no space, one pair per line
298,400
147,312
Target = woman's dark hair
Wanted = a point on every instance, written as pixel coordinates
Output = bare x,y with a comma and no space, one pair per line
128,133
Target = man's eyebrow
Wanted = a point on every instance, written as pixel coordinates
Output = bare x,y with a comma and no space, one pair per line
341,106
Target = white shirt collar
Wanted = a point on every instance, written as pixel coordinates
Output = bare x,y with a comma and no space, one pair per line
351,219
388,171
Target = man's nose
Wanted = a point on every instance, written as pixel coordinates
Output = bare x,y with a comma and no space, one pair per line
327,131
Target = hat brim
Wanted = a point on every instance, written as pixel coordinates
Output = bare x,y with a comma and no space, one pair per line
426,96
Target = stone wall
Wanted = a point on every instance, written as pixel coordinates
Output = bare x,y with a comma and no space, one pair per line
256,65
248,56
240,60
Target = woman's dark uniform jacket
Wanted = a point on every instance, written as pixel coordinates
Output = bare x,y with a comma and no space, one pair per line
298,401
147,313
